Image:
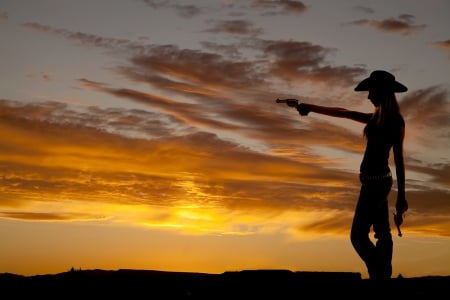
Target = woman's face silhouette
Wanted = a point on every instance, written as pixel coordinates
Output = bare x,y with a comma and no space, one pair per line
375,96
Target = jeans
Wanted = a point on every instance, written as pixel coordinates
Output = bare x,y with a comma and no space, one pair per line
372,211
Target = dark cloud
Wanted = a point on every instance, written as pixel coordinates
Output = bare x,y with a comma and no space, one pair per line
131,123
430,202
337,224
303,61
258,123
427,115
44,216
240,27
443,45
403,24
184,113
365,9
273,7
84,38
155,3
196,70
187,11
183,10
42,75
438,173
428,109
228,50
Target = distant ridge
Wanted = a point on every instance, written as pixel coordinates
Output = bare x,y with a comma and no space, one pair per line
272,284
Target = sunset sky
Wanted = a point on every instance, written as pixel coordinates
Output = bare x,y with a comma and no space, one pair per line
144,134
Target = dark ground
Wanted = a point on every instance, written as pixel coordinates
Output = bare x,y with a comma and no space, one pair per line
248,284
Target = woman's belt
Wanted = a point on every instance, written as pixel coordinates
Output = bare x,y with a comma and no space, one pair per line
367,178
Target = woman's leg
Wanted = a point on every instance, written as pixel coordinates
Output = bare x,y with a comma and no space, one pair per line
372,209
381,227
360,230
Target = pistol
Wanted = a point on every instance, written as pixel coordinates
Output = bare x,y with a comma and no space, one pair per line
303,110
398,220
289,102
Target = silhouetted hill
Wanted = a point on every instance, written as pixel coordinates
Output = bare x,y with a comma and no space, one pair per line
271,284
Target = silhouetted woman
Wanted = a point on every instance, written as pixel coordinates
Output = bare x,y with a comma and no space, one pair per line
384,130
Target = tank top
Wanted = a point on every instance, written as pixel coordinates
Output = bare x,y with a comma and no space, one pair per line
380,139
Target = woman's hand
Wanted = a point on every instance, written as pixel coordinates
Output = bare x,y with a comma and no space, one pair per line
401,205
303,109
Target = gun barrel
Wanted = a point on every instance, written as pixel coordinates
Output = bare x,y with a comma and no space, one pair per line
286,100
289,102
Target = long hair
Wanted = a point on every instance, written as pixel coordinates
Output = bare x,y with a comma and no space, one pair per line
386,111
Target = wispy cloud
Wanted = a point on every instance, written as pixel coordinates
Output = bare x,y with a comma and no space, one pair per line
271,7
241,27
365,9
4,16
444,46
403,25
288,59
186,11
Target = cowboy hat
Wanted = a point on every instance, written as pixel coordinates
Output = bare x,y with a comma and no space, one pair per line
381,79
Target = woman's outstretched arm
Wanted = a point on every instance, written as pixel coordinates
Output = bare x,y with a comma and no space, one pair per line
305,108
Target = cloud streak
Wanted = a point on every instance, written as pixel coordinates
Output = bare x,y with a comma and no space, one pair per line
403,25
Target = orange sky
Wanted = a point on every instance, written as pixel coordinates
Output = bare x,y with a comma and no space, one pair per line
148,151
